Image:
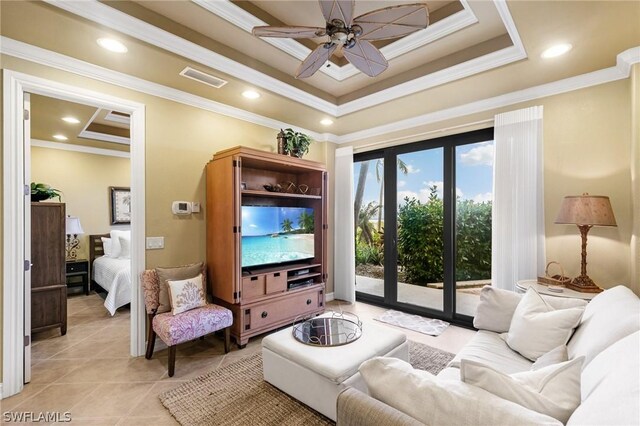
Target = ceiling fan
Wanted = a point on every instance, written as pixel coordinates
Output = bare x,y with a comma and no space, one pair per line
353,34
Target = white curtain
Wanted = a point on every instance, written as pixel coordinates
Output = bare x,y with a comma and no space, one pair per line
517,248
344,254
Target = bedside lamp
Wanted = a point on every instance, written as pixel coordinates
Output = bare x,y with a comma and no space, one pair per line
585,211
73,229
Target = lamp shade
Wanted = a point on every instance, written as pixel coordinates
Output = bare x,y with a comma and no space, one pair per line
73,226
586,209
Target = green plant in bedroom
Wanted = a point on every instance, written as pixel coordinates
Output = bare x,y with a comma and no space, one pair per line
296,143
42,191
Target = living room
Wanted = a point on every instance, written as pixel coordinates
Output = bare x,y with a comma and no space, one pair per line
479,60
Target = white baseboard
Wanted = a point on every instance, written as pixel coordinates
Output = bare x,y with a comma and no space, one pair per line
328,297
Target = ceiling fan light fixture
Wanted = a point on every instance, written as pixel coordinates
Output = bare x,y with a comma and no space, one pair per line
556,50
251,94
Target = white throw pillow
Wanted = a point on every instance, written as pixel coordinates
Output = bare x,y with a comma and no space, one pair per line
552,390
554,356
115,241
433,401
495,310
125,248
106,246
536,327
186,294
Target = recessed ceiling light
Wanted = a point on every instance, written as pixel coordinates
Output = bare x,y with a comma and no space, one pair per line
326,122
112,45
557,50
71,120
251,94
60,137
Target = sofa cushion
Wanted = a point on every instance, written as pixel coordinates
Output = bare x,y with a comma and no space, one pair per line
496,308
610,316
611,386
537,327
488,348
433,401
553,390
554,356
336,363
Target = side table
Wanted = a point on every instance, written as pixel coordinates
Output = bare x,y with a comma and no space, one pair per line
78,274
523,285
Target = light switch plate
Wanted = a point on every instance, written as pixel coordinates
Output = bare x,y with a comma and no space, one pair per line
155,243
195,207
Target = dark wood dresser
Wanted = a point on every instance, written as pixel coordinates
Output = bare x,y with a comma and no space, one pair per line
48,271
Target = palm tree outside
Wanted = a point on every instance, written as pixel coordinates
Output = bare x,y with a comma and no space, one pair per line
287,225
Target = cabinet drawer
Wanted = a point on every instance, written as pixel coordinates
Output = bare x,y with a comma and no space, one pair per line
253,287
278,310
276,282
73,267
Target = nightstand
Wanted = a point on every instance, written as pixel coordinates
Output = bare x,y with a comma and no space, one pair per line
78,274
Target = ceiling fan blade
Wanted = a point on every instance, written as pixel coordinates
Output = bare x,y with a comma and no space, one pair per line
338,9
288,32
392,22
366,57
315,60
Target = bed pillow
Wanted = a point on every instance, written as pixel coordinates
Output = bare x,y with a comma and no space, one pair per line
536,327
434,401
173,274
125,248
553,390
106,246
186,294
115,241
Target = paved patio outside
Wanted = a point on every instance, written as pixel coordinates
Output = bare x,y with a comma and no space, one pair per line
467,299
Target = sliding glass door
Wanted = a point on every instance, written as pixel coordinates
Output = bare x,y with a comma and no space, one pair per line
423,225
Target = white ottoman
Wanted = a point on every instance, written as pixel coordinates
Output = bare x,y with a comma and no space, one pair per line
316,375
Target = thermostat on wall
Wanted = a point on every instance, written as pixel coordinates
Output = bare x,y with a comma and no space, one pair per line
181,207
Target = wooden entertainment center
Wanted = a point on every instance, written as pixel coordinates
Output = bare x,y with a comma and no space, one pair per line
263,298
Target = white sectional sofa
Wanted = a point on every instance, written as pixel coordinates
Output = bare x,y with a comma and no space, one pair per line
608,337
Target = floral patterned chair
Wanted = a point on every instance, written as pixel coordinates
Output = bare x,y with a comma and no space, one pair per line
183,327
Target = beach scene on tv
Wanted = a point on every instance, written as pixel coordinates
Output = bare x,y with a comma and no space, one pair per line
276,234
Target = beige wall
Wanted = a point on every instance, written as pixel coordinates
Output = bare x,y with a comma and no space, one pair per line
587,145
635,177
180,140
84,180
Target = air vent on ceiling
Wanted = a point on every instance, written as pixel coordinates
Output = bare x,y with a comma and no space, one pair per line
203,77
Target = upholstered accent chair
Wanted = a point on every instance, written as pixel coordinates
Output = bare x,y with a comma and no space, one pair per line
183,327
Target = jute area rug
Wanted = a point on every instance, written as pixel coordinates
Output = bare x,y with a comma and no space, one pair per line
237,395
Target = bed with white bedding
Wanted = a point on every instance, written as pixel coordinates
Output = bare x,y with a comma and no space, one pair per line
112,274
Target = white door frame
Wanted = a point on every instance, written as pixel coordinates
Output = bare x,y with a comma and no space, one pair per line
15,84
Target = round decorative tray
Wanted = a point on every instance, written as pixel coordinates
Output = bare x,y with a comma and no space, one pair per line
330,329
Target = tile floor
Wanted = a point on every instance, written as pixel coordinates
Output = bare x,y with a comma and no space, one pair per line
89,373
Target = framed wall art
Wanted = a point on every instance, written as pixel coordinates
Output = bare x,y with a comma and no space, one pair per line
120,205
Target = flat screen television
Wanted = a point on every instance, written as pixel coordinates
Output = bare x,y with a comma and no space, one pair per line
272,235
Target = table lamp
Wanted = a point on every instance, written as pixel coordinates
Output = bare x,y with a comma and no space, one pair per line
585,211
73,229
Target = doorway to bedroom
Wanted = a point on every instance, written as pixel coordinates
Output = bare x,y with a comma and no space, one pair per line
80,164
69,159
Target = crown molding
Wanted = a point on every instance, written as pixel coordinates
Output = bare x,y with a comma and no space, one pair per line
246,21
65,63
88,134
79,148
618,72
56,60
119,21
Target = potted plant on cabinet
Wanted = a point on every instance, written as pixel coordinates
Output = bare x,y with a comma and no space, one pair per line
42,191
296,144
